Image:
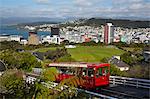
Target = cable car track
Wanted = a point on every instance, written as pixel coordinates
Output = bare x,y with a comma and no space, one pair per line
110,94
119,94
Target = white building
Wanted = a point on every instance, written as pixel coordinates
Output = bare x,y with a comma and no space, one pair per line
15,38
24,42
4,38
54,39
10,38
46,39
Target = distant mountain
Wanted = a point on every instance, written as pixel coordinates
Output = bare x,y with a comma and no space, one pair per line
19,20
123,22
118,22
36,23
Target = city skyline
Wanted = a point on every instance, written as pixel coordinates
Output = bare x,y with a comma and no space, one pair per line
75,8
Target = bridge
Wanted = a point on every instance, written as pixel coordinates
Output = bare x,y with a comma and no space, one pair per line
120,87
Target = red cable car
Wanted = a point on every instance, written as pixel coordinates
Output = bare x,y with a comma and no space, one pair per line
94,75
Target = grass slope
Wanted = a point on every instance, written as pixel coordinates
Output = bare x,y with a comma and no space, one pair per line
88,53
93,53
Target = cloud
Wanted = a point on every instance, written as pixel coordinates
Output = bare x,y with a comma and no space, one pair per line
126,1
86,3
82,8
83,3
42,1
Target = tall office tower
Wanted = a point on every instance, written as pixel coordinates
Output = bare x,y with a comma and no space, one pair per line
108,33
54,31
33,38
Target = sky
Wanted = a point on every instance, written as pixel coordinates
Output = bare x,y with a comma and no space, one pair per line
75,8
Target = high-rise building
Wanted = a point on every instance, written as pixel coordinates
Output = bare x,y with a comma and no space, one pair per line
33,38
108,33
54,31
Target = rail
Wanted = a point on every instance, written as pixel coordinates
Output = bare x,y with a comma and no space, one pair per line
138,83
96,94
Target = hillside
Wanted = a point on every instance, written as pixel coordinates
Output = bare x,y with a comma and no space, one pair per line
119,22
89,53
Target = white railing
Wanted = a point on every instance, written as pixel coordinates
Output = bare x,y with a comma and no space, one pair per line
139,83
53,85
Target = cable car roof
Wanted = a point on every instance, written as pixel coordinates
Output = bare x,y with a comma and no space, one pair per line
77,65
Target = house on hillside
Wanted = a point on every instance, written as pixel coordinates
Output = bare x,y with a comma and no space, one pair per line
120,64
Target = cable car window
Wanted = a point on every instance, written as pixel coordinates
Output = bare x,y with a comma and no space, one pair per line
102,71
99,72
70,71
90,72
84,72
106,70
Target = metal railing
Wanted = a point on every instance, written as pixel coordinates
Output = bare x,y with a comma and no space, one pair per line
53,85
138,83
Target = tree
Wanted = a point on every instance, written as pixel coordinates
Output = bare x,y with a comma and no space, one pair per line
65,42
41,92
56,54
66,58
115,71
104,60
28,61
138,71
12,81
126,57
49,74
24,60
7,45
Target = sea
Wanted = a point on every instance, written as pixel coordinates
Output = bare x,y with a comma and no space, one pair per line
14,30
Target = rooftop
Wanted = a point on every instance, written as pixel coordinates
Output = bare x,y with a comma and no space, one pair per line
77,64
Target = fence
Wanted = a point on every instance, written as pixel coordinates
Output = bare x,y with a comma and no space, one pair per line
139,83
53,85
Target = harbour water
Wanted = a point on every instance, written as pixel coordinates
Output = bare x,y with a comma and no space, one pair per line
13,30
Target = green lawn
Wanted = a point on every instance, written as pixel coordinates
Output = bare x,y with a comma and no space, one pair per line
93,53
88,53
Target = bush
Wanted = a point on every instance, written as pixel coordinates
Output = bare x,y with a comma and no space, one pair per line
66,58
127,58
55,55
139,72
24,60
12,81
114,71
